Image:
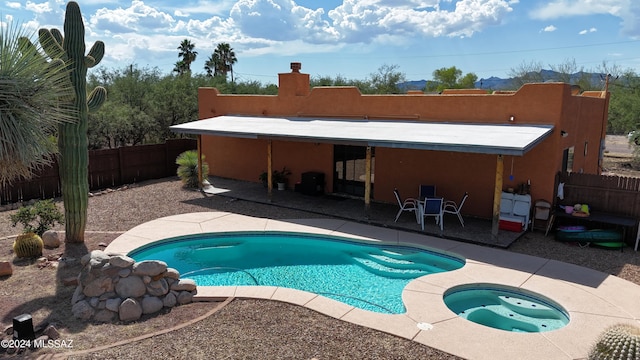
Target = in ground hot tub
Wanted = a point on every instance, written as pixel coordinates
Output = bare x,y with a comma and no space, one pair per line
506,308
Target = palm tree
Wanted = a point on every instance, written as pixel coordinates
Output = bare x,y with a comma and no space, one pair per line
209,66
180,67
30,92
187,54
223,58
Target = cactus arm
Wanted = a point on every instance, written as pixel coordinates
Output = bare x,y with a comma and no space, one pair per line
95,54
96,98
50,45
57,35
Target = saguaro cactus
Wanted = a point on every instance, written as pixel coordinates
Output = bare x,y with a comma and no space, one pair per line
72,137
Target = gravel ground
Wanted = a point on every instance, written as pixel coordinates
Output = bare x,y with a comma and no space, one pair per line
244,329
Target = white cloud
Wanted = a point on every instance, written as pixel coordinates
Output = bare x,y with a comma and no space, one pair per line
13,5
40,8
135,18
365,20
200,7
565,8
627,10
281,20
550,28
586,31
180,13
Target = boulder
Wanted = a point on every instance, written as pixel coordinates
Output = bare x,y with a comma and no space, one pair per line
130,310
82,310
107,295
184,284
151,304
94,301
170,300
124,272
51,239
77,295
158,288
121,261
185,297
113,304
131,286
149,268
172,273
98,258
51,332
104,315
98,286
5,268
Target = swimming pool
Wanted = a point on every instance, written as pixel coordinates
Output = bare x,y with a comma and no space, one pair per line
365,275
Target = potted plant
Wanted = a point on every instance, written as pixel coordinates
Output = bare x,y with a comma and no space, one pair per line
264,178
35,220
281,178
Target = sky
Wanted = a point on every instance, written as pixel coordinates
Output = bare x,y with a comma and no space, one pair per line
354,38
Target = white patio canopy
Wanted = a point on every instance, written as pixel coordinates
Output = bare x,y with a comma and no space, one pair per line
507,139
460,137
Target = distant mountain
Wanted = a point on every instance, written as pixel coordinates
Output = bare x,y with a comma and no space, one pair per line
496,83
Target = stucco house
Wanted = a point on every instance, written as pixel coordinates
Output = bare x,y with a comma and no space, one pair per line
366,145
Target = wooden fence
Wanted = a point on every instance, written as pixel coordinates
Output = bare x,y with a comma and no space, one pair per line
107,168
618,195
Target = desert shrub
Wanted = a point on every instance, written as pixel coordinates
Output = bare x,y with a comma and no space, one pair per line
38,218
188,168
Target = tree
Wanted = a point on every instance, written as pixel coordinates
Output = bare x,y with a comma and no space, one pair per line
526,72
451,78
210,65
624,105
386,80
188,56
221,61
567,72
30,91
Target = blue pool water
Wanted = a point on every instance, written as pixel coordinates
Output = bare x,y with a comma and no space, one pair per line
505,308
366,276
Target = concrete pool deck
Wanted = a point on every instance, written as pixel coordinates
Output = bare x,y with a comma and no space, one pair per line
594,300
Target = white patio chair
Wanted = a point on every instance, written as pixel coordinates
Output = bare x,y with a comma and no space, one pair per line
432,207
408,204
450,207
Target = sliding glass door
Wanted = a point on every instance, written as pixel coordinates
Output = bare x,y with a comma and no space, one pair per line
350,169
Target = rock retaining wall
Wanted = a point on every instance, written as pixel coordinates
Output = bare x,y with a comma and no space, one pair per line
116,287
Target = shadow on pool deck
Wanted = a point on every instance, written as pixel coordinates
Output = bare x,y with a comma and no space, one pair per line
477,231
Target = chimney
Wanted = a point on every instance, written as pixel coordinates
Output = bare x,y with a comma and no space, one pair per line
294,83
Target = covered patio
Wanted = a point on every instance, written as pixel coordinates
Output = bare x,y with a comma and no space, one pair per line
475,231
478,138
